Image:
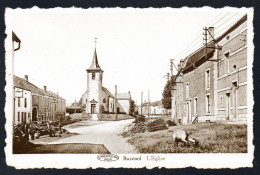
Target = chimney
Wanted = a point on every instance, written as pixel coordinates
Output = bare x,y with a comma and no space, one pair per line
26,77
45,88
210,34
182,63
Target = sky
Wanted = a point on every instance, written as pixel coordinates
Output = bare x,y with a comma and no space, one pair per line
134,46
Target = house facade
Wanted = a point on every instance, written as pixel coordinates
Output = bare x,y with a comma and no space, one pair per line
32,104
211,82
232,74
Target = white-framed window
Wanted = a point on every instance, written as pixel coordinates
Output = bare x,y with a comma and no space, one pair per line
207,100
93,75
226,58
187,90
207,79
195,105
19,102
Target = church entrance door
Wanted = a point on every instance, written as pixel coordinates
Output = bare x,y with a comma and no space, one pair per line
93,108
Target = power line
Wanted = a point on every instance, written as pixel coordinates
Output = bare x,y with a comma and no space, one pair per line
215,34
198,34
227,27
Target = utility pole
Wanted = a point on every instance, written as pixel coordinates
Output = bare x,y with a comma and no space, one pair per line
148,103
116,101
167,76
205,38
75,106
141,103
171,66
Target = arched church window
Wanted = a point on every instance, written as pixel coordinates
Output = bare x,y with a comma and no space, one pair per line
93,75
104,100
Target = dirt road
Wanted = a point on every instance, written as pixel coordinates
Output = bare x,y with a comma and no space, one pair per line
108,134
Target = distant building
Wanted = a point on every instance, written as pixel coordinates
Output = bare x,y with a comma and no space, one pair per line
211,83
75,107
98,99
32,104
155,108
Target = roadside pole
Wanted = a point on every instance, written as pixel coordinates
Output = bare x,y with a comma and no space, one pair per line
141,103
116,101
148,103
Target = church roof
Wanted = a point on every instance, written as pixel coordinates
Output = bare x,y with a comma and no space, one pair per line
107,92
94,65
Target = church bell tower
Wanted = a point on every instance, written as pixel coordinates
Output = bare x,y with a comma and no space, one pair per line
94,86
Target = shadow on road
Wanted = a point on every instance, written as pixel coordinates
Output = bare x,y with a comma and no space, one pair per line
67,148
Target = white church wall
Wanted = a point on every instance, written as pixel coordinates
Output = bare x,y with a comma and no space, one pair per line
94,89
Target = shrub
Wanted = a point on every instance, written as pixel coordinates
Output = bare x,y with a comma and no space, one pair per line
140,118
170,123
158,124
138,128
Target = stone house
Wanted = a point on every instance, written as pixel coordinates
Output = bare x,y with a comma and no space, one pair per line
32,104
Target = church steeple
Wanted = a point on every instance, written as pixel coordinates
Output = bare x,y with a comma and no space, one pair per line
94,65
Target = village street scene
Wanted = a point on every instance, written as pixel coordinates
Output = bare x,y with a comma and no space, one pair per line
128,82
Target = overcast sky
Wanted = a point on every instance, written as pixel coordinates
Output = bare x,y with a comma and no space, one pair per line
134,45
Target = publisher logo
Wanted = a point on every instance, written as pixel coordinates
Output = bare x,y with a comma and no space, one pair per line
107,157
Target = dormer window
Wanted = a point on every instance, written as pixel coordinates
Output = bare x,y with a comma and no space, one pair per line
93,75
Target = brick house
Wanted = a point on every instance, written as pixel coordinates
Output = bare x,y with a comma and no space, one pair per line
232,74
216,89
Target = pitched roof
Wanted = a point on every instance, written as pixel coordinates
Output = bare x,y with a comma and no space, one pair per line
94,65
107,92
26,85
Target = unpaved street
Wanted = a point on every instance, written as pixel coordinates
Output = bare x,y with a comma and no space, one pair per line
108,134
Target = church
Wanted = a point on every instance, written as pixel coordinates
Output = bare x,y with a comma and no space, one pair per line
98,99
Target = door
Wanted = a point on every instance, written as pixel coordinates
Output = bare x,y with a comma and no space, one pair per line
93,108
188,111
234,99
227,106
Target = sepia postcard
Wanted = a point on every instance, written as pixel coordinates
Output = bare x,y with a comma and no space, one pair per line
129,88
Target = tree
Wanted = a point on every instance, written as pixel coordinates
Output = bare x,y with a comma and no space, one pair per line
166,100
132,107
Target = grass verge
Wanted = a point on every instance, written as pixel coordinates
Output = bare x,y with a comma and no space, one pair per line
214,138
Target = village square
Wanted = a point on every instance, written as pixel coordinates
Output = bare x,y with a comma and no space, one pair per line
202,106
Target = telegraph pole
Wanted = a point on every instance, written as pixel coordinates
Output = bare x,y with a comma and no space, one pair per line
148,103
171,67
141,103
205,38
116,101
167,76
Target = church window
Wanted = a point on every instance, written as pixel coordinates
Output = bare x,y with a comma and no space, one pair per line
104,100
93,75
